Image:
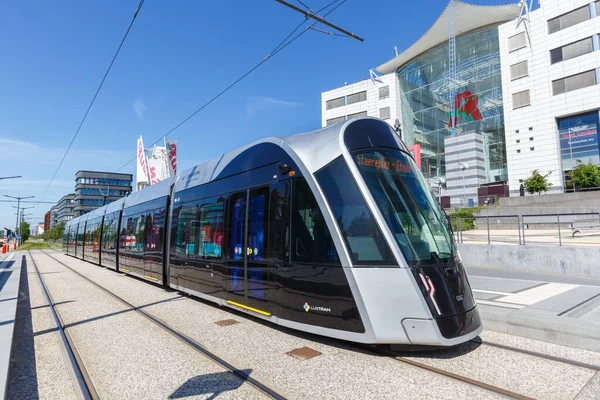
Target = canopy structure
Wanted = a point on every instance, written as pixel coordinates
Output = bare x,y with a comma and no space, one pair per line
467,18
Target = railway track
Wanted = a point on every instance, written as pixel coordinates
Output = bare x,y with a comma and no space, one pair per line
270,392
83,383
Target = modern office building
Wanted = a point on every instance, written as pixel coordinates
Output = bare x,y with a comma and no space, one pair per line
63,211
94,189
550,76
518,95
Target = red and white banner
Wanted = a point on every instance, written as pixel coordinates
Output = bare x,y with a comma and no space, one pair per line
141,175
172,153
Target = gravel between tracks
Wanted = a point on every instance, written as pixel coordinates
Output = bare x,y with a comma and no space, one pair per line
341,371
128,356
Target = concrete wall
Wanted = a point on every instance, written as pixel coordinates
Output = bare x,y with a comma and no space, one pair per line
564,203
569,261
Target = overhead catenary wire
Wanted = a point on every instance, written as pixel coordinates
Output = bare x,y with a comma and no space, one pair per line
286,42
141,3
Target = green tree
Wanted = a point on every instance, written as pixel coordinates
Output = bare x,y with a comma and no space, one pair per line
537,183
585,175
24,231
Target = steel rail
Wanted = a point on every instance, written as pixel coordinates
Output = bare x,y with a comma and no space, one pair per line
85,385
461,378
539,355
183,337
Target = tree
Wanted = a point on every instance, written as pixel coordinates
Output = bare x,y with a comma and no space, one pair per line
24,230
585,175
537,183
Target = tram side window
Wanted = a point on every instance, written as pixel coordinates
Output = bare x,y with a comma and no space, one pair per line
188,228
361,233
155,230
210,229
311,239
279,222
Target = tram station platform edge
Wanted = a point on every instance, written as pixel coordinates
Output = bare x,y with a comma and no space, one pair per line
10,278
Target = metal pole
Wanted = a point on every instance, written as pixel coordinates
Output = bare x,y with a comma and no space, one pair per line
519,228
18,228
559,238
523,228
488,227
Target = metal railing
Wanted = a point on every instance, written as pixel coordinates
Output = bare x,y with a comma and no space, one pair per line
564,229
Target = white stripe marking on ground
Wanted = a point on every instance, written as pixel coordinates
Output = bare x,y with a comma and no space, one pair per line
504,305
537,294
492,292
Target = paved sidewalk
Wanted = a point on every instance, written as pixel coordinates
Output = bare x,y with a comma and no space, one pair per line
539,306
10,275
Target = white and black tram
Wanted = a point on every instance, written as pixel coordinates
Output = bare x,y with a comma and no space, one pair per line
333,232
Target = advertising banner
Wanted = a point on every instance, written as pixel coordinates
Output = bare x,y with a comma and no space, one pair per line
141,175
172,152
578,138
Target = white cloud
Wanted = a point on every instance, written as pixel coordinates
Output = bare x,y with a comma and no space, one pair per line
140,108
256,104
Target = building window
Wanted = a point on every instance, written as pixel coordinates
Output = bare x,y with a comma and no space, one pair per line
335,103
384,113
569,19
521,99
519,70
530,139
516,131
335,120
572,50
357,115
384,92
598,9
518,151
531,128
518,141
357,97
574,82
531,148
517,42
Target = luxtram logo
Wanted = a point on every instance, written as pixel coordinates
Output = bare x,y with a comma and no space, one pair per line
308,307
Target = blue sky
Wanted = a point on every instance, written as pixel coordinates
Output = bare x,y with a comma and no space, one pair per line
178,55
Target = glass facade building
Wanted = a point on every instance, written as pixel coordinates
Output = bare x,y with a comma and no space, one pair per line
431,99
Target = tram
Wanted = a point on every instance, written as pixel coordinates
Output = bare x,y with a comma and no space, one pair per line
333,232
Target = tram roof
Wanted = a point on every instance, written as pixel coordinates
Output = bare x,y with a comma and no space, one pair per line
152,192
314,149
114,206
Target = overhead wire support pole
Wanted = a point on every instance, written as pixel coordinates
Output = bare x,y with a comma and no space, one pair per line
322,20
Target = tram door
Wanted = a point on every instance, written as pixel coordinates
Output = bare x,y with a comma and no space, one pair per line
248,266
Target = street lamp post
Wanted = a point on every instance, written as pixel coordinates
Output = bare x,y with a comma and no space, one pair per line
18,198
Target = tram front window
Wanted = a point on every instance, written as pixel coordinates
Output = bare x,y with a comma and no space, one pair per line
411,212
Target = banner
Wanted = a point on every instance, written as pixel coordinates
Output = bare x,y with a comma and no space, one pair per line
141,175
172,152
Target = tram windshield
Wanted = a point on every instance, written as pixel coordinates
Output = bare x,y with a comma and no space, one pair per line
412,214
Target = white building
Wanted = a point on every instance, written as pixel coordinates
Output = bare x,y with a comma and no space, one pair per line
550,72
379,97
525,84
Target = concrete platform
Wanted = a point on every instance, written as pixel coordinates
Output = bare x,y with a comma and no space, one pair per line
10,275
542,307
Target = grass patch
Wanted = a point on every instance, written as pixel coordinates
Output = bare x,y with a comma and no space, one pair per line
40,245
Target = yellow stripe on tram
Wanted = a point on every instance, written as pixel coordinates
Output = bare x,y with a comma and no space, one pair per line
124,270
256,310
151,277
